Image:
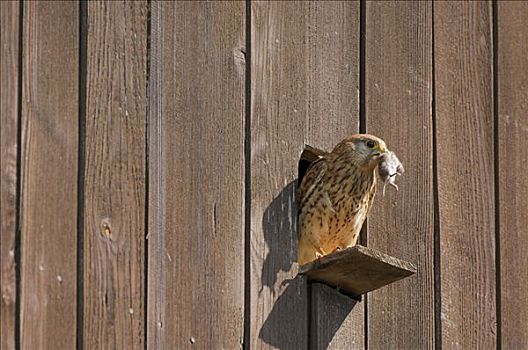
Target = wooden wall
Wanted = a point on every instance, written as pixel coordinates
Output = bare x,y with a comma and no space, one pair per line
149,155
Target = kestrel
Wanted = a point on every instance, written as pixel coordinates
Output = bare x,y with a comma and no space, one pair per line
336,195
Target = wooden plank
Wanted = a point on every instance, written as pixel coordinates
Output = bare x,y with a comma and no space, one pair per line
513,188
196,241
398,109
357,270
465,150
338,328
114,176
49,153
304,89
9,56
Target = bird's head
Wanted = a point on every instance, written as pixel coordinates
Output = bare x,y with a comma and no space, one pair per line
362,149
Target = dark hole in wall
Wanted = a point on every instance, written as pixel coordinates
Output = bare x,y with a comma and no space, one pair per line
308,157
304,165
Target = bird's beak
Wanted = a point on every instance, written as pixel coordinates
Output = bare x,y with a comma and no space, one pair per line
381,150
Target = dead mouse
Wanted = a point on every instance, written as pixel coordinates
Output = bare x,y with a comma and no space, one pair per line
389,167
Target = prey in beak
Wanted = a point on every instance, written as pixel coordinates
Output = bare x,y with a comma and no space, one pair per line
390,167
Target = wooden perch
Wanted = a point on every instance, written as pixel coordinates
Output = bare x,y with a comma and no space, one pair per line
357,270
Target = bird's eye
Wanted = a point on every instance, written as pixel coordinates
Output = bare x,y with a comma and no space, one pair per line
371,144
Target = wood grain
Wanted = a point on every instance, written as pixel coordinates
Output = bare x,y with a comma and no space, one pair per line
49,175
114,177
9,68
513,188
196,226
465,150
304,90
398,109
334,328
357,270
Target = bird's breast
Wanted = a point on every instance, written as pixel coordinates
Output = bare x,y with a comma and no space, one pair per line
350,196
350,189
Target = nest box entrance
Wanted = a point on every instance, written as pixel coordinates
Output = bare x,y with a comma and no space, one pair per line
355,270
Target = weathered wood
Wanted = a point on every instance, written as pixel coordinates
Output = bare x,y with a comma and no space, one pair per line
114,176
398,101
333,107
329,332
513,159
49,154
9,68
196,225
304,81
465,150
357,270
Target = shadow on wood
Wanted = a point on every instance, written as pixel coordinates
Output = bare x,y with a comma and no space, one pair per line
291,311
280,233
279,224
324,325
357,270
288,319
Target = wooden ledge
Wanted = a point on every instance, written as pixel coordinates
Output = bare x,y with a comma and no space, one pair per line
357,270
